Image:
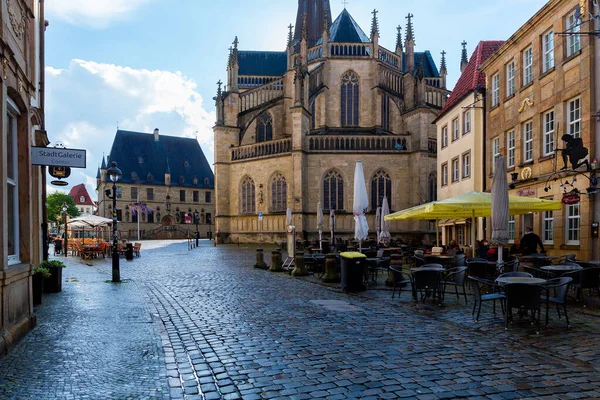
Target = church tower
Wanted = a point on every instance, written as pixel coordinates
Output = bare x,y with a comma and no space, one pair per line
316,12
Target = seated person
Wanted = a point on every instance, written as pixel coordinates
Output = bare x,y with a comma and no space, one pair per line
453,245
482,250
515,248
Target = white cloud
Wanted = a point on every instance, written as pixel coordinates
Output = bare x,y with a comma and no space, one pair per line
87,100
94,13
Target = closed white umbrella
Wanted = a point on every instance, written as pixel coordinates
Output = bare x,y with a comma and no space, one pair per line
332,225
288,217
384,235
378,222
361,203
500,234
320,224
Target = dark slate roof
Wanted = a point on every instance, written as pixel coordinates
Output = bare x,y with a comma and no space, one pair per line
262,63
138,152
345,30
98,176
77,192
431,70
315,19
472,78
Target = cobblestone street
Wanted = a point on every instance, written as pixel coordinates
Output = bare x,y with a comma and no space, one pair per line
204,324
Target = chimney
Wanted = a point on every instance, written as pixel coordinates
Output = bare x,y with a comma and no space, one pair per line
156,135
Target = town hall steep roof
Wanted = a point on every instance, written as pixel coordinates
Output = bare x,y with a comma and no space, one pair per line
140,153
79,191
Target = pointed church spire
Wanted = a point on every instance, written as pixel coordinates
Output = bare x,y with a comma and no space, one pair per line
410,33
103,163
374,25
463,58
315,16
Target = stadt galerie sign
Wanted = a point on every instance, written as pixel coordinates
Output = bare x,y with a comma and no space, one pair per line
58,157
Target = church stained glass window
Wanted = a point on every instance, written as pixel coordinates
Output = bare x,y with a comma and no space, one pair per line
248,203
381,186
265,128
349,100
333,191
278,193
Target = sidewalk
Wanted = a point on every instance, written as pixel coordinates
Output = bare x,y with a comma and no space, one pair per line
92,336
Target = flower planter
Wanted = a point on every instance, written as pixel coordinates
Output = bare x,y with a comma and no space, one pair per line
37,288
53,284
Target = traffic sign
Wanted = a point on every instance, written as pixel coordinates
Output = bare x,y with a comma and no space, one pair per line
260,216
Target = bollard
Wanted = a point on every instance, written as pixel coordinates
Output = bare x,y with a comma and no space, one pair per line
299,269
395,259
276,262
331,274
260,259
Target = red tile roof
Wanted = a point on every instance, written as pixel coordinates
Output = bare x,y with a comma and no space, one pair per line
78,191
472,78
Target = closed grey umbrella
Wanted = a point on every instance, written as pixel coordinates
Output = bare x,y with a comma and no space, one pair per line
500,234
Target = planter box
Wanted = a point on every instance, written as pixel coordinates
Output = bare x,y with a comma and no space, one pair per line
53,284
37,287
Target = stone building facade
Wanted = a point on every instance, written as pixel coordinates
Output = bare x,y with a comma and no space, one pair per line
165,181
292,124
461,139
23,185
541,89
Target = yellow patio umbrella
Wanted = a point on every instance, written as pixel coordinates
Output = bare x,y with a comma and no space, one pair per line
472,205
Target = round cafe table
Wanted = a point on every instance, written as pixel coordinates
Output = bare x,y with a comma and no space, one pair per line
520,279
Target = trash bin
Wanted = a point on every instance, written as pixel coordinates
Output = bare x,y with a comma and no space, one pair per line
129,251
353,268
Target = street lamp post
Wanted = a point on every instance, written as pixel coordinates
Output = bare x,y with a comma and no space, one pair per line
197,221
65,207
115,175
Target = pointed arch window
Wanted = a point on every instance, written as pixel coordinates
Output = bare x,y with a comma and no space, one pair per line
381,186
265,128
313,116
333,191
432,187
278,193
248,203
349,100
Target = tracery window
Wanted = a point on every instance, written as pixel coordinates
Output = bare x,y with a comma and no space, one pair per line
248,203
278,193
265,128
381,186
349,101
333,191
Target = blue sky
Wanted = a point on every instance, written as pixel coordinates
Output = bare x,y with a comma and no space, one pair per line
155,63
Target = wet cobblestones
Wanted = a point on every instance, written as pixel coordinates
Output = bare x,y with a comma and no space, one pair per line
204,324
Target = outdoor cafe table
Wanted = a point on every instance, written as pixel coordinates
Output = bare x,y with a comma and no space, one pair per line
445,260
560,269
537,261
520,279
428,269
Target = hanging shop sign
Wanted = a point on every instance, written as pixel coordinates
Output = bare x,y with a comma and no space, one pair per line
571,198
59,172
58,157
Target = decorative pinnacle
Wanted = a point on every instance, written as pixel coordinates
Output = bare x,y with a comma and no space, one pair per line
326,23
304,28
410,34
290,36
219,88
399,37
443,64
235,43
230,58
463,58
374,24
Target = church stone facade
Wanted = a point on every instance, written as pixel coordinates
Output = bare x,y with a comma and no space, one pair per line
292,124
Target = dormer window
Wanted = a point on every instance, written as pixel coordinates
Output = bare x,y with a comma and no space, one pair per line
181,180
149,177
134,176
82,199
206,181
195,180
140,160
186,164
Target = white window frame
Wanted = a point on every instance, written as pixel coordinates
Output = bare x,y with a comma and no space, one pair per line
455,170
548,227
466,122
495,90
574,117
510,79
466,165
527,66
444,136
455,129
510,149
573,216
548,126
445,174
495,151
12,130
511,229
528,141
573,40
548,51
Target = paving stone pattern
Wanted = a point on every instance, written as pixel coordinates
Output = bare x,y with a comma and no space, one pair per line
204,324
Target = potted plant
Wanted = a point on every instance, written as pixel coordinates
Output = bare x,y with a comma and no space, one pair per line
53,283
39,274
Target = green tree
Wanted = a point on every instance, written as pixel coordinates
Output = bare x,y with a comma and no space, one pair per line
54,204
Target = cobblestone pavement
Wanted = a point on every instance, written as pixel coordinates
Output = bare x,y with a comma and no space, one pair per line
204,324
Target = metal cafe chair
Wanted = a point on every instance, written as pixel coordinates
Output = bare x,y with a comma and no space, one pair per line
525,297
556,293
402,279
456,277
477,285
428,283
587,278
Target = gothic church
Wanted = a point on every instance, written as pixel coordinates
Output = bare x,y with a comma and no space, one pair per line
292,124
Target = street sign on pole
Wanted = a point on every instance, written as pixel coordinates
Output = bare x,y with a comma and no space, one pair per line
58,157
